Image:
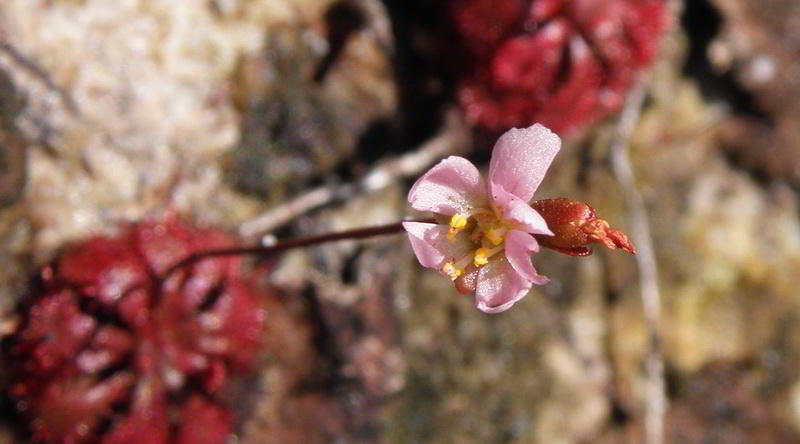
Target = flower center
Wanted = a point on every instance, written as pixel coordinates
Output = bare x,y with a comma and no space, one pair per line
488,236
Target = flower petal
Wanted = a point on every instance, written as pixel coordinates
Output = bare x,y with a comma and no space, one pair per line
520,159
499,286
452,186
431,246
511,208
519,246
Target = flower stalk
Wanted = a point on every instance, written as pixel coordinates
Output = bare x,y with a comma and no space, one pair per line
574,224
288,244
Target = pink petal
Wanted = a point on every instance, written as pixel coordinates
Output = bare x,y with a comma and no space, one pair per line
520,159
519,246
511,208
499,287
431,246
453,186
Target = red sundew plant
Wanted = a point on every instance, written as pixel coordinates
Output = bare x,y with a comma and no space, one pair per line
563,63
107,352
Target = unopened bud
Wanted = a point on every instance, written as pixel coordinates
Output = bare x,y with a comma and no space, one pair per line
575,225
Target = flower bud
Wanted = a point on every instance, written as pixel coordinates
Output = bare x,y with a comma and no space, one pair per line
575,225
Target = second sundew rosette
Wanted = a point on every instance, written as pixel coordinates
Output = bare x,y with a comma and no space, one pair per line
484,240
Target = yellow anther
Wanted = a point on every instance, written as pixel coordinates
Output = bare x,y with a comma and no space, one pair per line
496,235
451,270
481,257
457,223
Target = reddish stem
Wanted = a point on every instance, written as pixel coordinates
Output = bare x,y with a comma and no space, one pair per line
298,242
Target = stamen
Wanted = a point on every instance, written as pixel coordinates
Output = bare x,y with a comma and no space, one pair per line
451,270
482,255
496,235
457,223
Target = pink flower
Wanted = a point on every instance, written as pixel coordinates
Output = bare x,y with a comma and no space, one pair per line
484,240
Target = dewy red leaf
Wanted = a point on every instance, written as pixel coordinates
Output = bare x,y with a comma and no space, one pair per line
214,419
561,63
103,348
146,421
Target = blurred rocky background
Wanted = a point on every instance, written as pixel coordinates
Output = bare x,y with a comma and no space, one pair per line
262,117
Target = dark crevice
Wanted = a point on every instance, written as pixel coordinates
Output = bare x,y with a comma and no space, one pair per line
619,414
380,137
100,312
104,427
327,377
584,154
350,267
612,296
673,380
425,65
342,20
10,416
379,140
124,363
193,385
702,22
596,50
212,297
564,66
